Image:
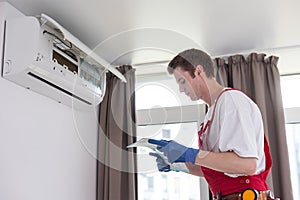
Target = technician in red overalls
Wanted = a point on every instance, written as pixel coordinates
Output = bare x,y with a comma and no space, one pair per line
233,153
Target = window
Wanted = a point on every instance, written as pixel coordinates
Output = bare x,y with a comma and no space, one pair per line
165,182
291,103
150,183
290,91
166,134
163,113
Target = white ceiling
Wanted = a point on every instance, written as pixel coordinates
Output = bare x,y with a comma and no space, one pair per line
140,31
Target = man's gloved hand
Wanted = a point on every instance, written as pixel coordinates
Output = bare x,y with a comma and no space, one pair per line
164,166
175,152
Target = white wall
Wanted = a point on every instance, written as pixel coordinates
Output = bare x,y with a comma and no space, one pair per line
46,148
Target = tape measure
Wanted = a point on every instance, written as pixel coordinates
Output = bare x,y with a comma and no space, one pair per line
249,194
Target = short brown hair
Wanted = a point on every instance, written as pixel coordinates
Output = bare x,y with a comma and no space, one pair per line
189,59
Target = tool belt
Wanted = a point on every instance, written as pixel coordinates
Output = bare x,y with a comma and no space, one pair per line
250,194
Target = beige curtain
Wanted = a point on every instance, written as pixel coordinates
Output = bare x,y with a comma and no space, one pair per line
116,178
259,78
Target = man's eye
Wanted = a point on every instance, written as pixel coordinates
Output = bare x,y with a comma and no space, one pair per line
182,81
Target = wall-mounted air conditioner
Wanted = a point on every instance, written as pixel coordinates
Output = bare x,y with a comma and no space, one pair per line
39,54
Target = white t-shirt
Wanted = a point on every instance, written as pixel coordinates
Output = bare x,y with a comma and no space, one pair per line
237,126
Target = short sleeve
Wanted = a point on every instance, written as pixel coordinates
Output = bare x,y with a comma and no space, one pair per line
237,132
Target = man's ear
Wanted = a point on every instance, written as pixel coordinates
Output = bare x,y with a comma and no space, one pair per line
198,70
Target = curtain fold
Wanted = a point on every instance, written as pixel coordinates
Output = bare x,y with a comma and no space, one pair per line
116,166
259,78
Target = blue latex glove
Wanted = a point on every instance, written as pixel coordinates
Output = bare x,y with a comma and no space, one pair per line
161,164
176,152
165,166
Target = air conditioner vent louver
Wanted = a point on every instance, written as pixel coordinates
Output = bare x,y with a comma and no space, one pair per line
59,88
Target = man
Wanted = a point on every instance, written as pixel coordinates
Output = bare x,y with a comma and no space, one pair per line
233,153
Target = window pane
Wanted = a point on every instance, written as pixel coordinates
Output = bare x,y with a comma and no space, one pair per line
293,140
159,91
290,91
166,185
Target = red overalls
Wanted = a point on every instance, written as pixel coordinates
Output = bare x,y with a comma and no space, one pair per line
219,182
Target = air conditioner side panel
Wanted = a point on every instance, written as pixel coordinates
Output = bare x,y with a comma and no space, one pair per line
21,44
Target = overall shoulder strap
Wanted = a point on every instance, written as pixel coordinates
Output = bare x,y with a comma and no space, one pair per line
213,113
